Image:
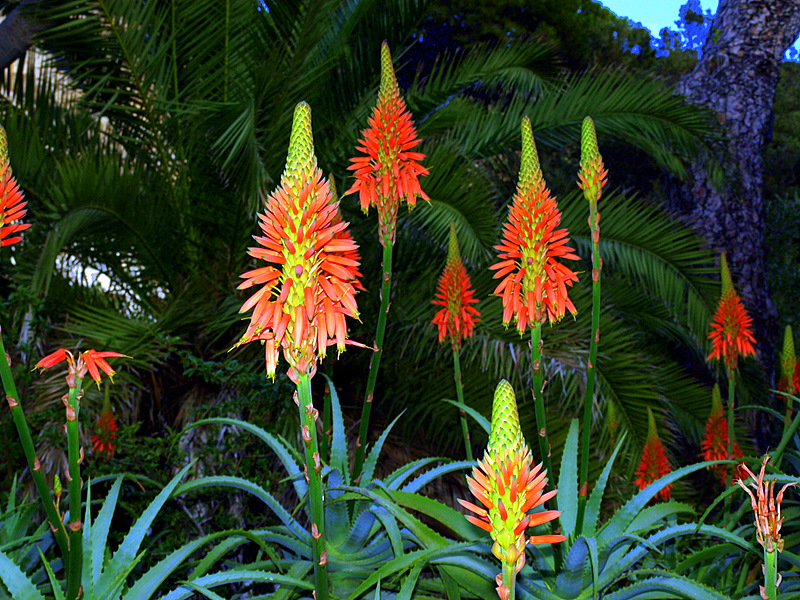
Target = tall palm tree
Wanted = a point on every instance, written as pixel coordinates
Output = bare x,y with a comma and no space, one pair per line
149,138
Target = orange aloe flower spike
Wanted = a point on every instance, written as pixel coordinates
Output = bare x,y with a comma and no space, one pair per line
654,464
731,327
715,441
388,172
766,506
308,285
533,282
508,486
457,319
105,434
12,203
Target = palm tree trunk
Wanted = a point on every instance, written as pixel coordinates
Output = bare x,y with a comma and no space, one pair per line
736,77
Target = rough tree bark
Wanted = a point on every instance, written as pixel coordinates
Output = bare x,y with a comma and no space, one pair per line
736,77
17,32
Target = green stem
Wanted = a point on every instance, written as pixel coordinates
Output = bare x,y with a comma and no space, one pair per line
375,361
30,454
731,387
308,418
510,580
770,575
460,394
538,397
588,402
74,566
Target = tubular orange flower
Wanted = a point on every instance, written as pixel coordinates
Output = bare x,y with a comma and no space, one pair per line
731,332
507,487
105,434
534,284
388,172
715,442
12,204
90,360
457,319
654,464
308,287
766,506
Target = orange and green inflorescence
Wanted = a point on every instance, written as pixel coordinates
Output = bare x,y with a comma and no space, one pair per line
593,175
457,319
715,441
654,463
533,282
388,172
104,438
731,327
308,285
508,486
12,202
790,369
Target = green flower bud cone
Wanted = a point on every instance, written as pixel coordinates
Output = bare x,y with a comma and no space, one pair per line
716,400
652,431
389,88
3,146
592,176
725,275
506,435
530,171
453,251
788,356
300,160
589,149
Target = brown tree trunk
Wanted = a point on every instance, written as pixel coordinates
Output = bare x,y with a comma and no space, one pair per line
736,77
17,32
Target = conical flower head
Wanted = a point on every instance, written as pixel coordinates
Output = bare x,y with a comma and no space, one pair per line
654,464
457,319
715,440
105,434
12,203
507,487
731,327
533,282
592,176
387,172
308,286
790,380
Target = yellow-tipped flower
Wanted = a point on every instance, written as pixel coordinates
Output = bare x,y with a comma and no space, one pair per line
592,176
308,287
507,486
388,172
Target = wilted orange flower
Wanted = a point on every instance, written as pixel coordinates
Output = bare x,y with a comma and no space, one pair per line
766,506
457,319
389,172
715,441
654,464
308,287
90,360
12,204
731,332
534,283
105,434
508,486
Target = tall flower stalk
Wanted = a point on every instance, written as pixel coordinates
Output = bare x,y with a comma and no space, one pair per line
731,337
534,283
507,486
767,510
307,290
592,177
456,321
386,173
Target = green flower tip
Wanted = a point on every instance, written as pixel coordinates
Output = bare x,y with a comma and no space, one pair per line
506,433
3,146
652,431
530,171
389,88
589,149
453,252
300,161
788,356
332,183
716,399
725,274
